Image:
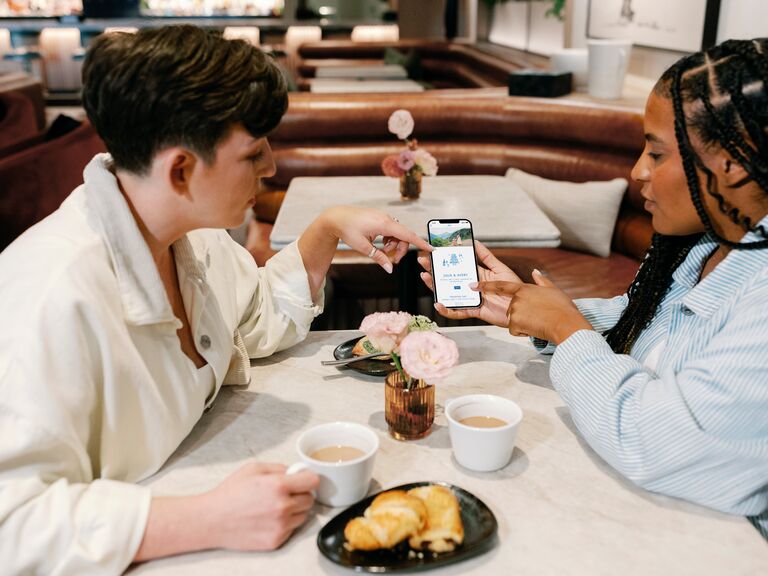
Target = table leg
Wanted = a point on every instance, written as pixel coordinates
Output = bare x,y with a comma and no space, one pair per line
408,282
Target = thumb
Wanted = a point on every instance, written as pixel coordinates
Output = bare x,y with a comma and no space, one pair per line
542,280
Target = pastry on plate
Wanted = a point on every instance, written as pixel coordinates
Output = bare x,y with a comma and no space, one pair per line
443,530
392,517
363,347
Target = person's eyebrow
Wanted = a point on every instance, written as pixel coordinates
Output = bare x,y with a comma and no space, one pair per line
650,137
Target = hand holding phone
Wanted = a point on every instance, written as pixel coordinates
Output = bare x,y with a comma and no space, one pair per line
454,263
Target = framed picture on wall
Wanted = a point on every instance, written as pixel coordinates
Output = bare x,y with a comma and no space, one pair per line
682,25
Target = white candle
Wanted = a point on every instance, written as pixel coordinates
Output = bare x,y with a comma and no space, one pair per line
247,33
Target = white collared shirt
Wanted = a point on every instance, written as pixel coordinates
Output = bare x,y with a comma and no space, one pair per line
95,391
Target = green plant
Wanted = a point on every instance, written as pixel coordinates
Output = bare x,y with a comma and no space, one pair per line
556,10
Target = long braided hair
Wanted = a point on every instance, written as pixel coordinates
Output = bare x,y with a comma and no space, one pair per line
722,96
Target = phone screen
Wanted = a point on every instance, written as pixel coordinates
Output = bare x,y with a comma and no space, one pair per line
454,264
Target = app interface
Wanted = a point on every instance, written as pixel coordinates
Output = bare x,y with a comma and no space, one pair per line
453,263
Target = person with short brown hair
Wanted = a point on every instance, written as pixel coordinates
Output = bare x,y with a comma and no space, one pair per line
127,309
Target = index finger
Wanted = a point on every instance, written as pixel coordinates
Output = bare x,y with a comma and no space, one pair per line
499,287
402,233
304,481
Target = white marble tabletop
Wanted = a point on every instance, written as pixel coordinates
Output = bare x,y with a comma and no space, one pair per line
347,85
371,71
501,213
560,508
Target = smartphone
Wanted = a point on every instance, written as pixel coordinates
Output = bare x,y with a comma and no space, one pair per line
454,263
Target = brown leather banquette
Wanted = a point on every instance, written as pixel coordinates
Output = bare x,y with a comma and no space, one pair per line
441,64
331,135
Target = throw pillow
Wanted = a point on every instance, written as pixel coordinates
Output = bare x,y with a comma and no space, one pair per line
585,213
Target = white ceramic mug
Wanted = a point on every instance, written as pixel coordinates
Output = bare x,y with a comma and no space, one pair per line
341,483
573,60
483,449
608,62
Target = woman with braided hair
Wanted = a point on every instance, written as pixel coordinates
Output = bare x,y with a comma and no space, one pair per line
669,382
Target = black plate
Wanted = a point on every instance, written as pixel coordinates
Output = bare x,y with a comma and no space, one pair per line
479,537
372,367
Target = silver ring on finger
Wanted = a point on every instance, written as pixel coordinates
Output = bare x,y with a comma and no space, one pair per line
372,253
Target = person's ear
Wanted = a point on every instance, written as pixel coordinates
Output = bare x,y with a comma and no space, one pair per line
179,166
733,174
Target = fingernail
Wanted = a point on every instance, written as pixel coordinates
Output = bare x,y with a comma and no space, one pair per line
388,267
473,285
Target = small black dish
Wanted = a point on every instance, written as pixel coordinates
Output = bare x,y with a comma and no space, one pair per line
371,367
479,536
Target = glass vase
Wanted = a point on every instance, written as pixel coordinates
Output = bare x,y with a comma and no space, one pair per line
409,412
410,185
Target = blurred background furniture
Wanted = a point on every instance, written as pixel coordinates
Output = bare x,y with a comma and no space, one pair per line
37,179
439,63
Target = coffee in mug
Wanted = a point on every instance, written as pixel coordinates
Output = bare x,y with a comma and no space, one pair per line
483,421
337,454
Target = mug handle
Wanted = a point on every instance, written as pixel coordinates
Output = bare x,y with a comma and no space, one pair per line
295,468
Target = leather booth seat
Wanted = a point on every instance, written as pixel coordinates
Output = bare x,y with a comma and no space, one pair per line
22,114
329,135
442,64
36,180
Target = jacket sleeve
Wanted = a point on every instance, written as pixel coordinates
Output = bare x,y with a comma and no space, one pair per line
697,431
274,306
54,517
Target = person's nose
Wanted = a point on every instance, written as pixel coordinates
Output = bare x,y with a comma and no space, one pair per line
640,171
269,163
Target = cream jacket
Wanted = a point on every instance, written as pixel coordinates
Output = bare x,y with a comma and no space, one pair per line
95,392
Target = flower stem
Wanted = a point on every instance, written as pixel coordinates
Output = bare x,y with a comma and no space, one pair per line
396,360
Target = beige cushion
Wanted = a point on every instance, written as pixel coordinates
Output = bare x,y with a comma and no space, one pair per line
585,213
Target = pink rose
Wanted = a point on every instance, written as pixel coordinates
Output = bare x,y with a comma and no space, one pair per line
389,166
425,162
428,356
386,330
401,124
405,160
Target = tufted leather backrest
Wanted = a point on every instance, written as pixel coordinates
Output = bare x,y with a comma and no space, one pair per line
36,180
332,135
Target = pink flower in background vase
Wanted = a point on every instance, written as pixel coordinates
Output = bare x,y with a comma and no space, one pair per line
386,330
405,160
428,356
401,124
411,162
425,162
390,166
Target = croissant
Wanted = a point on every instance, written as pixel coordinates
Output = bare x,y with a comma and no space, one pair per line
443,530
391,518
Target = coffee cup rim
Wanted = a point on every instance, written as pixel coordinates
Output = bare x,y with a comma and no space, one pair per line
366,430
494,398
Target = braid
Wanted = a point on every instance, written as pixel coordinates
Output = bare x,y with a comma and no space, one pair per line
691,162
648,288
739,126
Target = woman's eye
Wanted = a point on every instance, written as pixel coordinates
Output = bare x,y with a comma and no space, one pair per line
654,156
256,157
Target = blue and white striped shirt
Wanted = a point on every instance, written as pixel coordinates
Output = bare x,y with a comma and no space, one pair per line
697,427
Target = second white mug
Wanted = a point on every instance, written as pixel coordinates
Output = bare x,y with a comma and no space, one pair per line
478,448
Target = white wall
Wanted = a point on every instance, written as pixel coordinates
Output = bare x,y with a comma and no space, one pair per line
742,19
738,19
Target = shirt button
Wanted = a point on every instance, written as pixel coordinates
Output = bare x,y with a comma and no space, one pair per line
687,311
205,341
